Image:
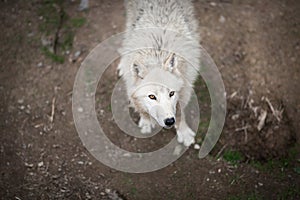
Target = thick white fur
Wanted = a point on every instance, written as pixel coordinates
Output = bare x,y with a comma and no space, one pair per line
148,70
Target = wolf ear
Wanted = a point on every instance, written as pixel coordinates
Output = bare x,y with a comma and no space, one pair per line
171,62
139,70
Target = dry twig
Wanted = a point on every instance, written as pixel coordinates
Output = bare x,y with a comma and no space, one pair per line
52,110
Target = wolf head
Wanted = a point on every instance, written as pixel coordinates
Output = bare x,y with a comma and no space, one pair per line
157,92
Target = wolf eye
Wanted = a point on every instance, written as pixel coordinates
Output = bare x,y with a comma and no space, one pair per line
151,96
171,93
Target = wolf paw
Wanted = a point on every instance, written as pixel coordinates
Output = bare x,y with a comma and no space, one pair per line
145,125
186,136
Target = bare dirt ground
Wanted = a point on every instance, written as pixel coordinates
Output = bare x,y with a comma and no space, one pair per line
255,44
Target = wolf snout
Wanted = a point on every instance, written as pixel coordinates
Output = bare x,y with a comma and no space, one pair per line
169,121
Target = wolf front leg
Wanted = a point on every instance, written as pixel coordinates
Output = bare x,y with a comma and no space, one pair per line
185,134
145,124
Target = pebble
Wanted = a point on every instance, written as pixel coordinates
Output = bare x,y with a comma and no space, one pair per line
213,4
80,109
222,19
84,5
28,165
77,54
80,162
235,117
196,146
20,101
40,64
40,164
88,196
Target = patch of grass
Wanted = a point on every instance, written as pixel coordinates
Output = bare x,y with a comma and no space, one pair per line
292,192
109,108
78,22
297,170
51,18
56,58
133,191
274,164
202,129
58,25
67,41
233,157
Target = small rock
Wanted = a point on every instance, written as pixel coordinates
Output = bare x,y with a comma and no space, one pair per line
63,190
40,164
40,64
77,54
213,4
102,193
196,146
101,112
84,5
46,41
28,165
80,109
235,117
74,58
20,101
80,162
222,19
88,196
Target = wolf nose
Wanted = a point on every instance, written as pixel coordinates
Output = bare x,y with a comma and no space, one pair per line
169,121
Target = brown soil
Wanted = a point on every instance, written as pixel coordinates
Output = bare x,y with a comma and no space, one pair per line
256,46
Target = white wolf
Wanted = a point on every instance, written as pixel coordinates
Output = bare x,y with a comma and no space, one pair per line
160,62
